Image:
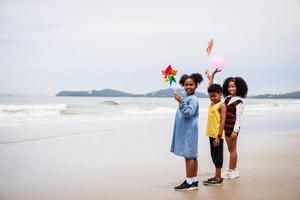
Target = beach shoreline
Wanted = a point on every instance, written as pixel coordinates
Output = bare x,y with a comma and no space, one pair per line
137,164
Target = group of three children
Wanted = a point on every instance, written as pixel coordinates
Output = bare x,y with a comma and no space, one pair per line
223,122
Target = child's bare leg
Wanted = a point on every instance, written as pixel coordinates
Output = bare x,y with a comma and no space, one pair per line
233,155
196,167
186,167
218,173
231,143
190,167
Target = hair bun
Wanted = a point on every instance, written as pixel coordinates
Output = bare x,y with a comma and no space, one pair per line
198,77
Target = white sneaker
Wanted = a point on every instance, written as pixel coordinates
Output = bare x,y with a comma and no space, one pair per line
234,174
226,174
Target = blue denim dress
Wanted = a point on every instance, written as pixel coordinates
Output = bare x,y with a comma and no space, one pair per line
185,133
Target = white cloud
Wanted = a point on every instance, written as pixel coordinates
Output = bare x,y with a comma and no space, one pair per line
69,44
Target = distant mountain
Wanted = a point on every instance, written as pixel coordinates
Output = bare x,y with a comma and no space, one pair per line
164,93
291,95
115,93
96,93
170,93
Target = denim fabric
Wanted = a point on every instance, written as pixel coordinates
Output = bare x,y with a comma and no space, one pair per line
185,133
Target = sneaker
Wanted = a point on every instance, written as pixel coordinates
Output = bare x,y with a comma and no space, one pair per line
213,181
226,174
185,187
195,185
234,174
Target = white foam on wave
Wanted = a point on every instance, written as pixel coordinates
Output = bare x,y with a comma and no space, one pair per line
32,108
112,103
16,114
158,110
273,106
79,111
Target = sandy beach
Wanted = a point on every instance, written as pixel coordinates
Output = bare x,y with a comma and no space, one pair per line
136,164
89,92
119,148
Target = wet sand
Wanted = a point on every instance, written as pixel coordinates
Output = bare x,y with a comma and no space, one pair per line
137,164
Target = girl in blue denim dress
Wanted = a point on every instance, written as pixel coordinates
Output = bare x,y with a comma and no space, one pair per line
185,134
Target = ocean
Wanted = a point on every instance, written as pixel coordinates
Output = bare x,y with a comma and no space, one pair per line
25,119
98,148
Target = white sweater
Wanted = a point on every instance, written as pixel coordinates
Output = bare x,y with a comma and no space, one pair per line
239,112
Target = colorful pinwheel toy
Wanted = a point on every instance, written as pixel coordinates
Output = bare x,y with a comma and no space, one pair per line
169,75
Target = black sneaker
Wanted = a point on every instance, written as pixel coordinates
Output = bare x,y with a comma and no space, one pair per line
195,185
213,181
185,186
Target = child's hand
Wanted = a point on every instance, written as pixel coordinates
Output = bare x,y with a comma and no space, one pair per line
234,135
207,74
216,71
177,97
216,142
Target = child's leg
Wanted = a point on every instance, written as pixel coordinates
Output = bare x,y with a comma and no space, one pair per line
231,143
217,156
190,167
189,183
196,167
219,159
218,173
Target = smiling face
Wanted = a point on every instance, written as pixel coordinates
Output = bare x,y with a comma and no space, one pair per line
189,86
232,88
215,97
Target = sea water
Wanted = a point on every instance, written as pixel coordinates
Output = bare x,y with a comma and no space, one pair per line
33,118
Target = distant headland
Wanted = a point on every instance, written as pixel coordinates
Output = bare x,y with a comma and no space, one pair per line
115,93
162,93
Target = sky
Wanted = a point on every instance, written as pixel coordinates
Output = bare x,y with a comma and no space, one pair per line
49,46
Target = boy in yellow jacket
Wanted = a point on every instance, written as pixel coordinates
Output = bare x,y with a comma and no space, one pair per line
215,129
